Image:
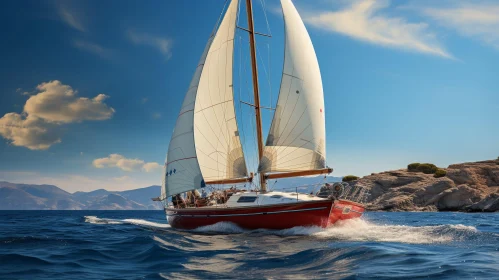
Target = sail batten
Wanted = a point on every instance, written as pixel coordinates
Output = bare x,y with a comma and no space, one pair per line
296,140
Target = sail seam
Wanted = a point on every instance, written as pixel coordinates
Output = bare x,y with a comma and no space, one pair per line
179,160
290,75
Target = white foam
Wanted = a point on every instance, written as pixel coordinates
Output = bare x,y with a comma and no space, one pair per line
361,230
138,222
100,221
221,227
346,230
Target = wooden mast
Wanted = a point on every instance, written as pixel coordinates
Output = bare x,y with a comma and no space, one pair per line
256,93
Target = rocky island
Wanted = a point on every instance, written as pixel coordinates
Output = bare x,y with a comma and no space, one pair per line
470,187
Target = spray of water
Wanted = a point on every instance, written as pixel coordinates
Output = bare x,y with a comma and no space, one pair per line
138,222
347,230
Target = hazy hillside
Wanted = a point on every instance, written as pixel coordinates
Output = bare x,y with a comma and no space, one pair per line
49,197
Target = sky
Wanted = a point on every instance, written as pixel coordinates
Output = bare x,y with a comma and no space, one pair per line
90,90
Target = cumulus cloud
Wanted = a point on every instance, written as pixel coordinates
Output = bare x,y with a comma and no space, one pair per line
473,19
30,132
364,20
151,166
53,105
125,164
59,103
162,44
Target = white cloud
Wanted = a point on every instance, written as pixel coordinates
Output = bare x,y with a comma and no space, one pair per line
125,164
28,131
59,103
93,48
151,166
364,20
162,44
474,19
70,16
54,104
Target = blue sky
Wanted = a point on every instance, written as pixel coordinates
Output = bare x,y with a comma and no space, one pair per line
90,90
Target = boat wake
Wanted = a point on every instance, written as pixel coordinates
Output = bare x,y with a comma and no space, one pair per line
354,230
361,230
138,222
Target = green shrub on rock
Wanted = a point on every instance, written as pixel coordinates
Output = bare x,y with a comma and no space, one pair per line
413,166
427,168
350,178
440,173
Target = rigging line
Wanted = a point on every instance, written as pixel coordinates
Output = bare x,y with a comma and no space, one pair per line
270,74
264,69
238,15
264,6
253,143
240,106
219,19
235,113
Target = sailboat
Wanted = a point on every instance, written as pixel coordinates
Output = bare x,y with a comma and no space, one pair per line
205,148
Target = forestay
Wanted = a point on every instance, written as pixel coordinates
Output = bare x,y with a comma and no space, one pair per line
296,139
218,147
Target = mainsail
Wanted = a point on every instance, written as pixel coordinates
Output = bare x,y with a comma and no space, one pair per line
205,143
296,139
219,151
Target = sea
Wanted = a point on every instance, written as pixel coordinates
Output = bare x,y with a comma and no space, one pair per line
141,245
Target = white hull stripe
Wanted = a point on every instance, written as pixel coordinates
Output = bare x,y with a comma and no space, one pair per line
245,214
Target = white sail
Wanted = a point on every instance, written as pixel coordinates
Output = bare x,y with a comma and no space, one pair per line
181,170
218,146
296,139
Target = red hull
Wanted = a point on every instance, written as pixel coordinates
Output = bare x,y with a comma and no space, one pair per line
321,213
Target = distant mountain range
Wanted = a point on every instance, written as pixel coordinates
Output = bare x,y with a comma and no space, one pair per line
49,197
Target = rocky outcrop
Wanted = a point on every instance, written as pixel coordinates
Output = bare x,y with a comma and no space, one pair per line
470,186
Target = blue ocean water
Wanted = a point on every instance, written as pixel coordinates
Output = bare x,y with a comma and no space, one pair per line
141,245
